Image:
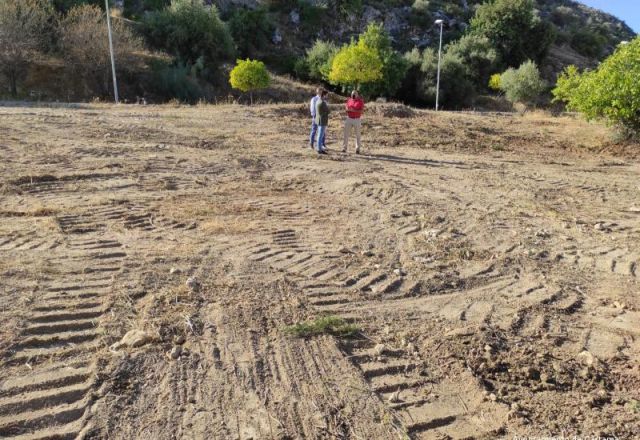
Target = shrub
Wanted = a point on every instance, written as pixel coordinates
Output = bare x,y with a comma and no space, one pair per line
478,56
588,42
249,75
495,83
420,13
251,31
136,9
611,92
24,25
354,65
301,69
394,66
514,28
522,85
66,5
456,88
85,48
319,59
175,82
331,325
189,31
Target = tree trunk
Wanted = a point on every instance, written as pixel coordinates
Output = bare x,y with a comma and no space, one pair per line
13,84
251,97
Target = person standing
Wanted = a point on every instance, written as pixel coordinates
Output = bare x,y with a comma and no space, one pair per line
312,109
355,108
322,120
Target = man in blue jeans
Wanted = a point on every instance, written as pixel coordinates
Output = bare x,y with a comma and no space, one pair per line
322,120
312,108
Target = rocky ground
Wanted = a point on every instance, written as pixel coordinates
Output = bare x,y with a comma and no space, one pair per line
153,260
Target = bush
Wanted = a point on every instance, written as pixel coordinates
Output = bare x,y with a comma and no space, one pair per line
251,31
66,5
85,47
420,13
588,42
478,56
611,92
354,65
176,82
189,31
330,325
319,59
514,28
24,25
394,66
456,88
249,75
522,85
136,9
495,82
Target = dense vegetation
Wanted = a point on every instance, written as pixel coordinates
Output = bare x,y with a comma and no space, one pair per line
184,49
610,92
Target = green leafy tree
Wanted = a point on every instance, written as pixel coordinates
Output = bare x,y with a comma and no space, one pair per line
523,84
251,30
249,75
355,64
319,59
190,31
478,56
456,88
514,28
394,66
24,25
611,92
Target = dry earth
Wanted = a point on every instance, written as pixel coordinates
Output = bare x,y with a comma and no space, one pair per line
490,263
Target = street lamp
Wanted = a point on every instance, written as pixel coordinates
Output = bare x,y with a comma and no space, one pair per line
113,60
441,24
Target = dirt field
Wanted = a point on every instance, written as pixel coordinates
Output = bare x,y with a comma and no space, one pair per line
490,264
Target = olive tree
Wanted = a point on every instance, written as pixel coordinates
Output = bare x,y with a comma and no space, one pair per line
23,32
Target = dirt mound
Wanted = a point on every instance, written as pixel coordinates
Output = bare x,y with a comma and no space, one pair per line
392,110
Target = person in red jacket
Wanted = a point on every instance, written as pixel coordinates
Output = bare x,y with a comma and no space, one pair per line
355,108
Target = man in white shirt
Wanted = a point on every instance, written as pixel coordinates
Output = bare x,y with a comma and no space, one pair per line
312,108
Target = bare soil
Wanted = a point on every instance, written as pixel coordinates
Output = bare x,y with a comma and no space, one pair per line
490,263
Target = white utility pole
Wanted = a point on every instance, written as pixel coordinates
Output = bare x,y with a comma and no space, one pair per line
441,23
113,59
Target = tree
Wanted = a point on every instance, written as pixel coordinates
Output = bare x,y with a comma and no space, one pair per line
478,56
190,31
522,85
394,66
355,64
249,75
320,58
251,30
495,82
515,29
23,32
611,92
456,88
85,47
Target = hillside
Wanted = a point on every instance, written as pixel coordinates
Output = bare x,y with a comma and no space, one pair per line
185,51
584,35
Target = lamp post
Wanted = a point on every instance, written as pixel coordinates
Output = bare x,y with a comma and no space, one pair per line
441,24
113,60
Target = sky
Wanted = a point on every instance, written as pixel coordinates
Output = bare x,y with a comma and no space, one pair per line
627,10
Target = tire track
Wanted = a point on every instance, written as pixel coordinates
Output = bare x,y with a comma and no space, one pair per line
57,343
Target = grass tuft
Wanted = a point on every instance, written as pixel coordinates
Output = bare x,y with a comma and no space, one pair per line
324,325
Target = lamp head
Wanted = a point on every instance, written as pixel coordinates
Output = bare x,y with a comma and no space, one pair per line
438,22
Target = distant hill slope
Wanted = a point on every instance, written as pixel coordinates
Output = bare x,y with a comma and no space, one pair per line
584,35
